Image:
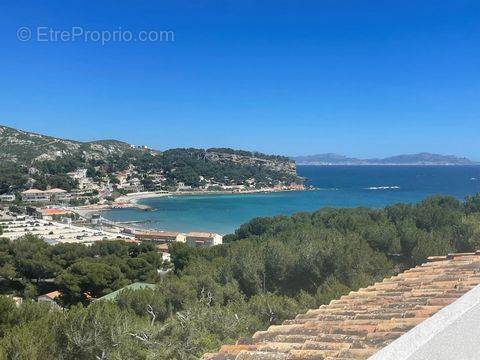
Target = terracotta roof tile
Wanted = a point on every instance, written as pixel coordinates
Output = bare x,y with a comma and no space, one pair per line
32,191
359,324
157,234
52,295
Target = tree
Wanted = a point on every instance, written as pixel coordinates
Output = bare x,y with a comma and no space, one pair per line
103,331
383,237
272,309
279,266
146,302
180,254
429,245
331,289
31,259
246,265
12,177
139,269
33,334
438,211
7,266
93,277
7,270
272,269
8,314
472,204
256,226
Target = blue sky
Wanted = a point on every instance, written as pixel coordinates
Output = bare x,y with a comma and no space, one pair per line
362,78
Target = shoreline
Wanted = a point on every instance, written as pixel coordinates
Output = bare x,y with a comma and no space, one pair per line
133,198
131,201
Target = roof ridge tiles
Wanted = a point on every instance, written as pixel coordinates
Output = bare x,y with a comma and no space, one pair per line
362,322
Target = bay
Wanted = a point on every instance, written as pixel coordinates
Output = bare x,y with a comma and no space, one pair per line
336,186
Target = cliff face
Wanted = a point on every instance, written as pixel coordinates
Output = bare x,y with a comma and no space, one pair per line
278,164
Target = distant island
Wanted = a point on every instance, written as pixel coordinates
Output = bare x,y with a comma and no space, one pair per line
410,159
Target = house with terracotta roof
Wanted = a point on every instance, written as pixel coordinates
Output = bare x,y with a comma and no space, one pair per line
50,298
161,237
35,195
58,195
430,312
52,213
52,195
193,238
203,239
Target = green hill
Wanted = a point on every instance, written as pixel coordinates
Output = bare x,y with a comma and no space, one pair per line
28,158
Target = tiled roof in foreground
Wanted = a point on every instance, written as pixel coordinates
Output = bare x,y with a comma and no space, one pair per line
361,323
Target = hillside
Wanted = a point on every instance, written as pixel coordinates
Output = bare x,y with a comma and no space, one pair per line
24,148
29,159
411,159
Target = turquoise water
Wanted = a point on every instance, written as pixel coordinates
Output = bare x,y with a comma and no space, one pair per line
339,186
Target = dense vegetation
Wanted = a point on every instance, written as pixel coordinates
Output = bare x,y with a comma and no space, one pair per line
47,160
187,165
177,165
12,177
270,269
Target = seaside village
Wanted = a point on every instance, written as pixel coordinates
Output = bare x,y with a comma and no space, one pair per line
51,215
58,216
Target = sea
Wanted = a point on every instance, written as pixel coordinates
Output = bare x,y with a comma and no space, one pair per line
334,186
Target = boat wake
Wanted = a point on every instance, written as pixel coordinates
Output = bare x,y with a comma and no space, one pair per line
383,187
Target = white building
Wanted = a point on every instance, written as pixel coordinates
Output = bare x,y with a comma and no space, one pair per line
182,187
87,184
160,237
58,195
53,195
7,197
78,174
203,239
35,195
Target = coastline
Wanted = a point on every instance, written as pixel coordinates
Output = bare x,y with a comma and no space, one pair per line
133,198
217,211
131,201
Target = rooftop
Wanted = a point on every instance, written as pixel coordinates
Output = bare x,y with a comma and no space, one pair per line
157,233
32,191
359,324
135,286
50,212
199,234
52,295
56,191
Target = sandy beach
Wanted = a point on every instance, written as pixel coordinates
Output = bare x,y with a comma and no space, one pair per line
133,198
